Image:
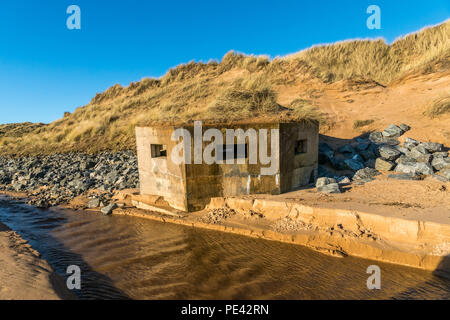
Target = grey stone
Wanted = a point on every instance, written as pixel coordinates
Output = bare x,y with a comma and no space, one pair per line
389,153
392,131
344,180
368,154
370,163
366,173
324,181
440,154
403,150
376,137
406,160
109,209
417,152
416,168
354,164
404,176
440,178
410,143
440,163
330,188
445,173
425,158
94,203
346,149
404,127
384,165
362,146
432,147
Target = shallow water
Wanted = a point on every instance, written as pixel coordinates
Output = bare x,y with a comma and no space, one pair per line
126,257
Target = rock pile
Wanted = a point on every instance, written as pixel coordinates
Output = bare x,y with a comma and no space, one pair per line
381,151
57,179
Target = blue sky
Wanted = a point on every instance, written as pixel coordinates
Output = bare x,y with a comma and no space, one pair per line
46,69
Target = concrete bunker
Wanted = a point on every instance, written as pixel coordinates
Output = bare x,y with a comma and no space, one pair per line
190,185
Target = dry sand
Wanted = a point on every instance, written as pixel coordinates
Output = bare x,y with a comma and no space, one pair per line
23,274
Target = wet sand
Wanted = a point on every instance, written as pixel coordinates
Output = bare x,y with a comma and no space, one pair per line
23,274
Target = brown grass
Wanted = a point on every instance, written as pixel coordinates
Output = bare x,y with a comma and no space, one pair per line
362,123
438,107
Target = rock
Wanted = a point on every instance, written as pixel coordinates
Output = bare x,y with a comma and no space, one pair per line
370,163
384,165
410,143
440,163
415,168
326,153
404,176
404,127
366,173
41,204
403,150
354,164
431,146
405,160
344,180
323,172
445,173
361,146
389,153
440,178
329,188
441,154
392,131
324,181
417,152
368,154
376,137
346,149
109,209
94,203
425,158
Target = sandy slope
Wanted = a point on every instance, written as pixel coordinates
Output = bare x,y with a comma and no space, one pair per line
23,274
401,102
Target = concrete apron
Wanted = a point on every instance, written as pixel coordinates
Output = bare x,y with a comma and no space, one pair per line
337,232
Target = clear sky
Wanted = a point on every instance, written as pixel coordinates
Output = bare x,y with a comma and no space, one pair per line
46,69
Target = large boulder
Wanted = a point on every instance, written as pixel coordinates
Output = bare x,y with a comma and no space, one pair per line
389,153
326,153
384,165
